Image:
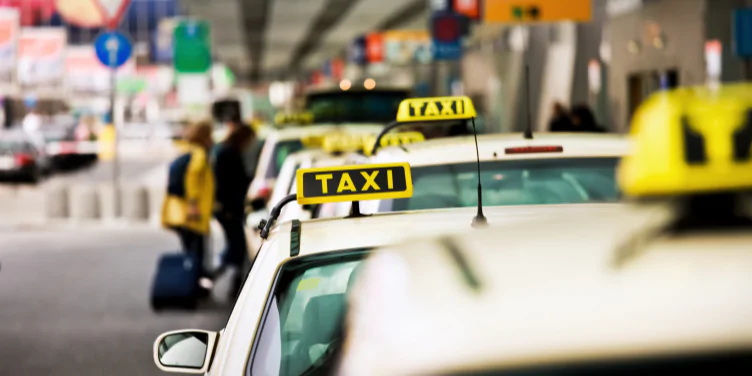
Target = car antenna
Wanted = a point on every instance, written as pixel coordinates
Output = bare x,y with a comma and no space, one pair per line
480,220
528,135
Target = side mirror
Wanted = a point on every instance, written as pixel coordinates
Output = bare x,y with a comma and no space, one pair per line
185,351
257,204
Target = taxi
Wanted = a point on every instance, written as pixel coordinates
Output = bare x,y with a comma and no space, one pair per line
661,287
320,151
515,169
292,301
283,142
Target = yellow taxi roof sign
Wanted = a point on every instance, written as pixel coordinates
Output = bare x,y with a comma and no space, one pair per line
394,139
354,183
345,142
293,118
435,108
689,141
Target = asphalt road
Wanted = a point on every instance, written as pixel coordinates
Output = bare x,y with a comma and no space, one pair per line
76,302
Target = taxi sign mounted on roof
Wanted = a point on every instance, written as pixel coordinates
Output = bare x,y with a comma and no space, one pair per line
436,108
689,141
354,183
297,118
394,139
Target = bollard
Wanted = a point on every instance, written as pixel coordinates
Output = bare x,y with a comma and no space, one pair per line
84,202
56,202
156,197
135,203
109,210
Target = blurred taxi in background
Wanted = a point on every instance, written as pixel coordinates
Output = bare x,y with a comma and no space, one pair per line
661,286
547,169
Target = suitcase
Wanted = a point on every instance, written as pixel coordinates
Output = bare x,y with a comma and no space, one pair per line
176,282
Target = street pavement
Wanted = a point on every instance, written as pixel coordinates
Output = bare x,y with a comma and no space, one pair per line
75,302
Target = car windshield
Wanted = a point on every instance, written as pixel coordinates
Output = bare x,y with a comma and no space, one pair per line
375,106
300,332
14,146
281,151
517,182
736,363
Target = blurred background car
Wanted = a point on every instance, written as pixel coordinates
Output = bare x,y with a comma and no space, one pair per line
21,159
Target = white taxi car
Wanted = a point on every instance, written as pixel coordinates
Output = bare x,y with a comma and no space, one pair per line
554,168
661,287
292,302
283,142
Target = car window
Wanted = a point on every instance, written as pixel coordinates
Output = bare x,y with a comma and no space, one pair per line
301,327
528,182
374,106
281,151
729,363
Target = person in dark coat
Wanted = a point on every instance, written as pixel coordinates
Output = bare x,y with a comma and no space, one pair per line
560,121
232,182
583,120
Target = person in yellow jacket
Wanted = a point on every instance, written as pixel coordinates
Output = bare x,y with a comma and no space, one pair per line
189,203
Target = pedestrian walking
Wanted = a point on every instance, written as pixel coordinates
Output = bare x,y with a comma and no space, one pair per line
232,182
188,206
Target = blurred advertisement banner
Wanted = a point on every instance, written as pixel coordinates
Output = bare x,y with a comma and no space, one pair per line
162,41
403,46
85,74
9,30
41,58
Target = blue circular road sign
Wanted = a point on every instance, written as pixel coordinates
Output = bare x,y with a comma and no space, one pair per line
113,48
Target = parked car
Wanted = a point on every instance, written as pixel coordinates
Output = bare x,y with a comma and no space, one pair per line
21,158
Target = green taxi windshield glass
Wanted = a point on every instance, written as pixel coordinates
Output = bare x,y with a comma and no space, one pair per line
373,106
523,182
731,363
300,333
281,151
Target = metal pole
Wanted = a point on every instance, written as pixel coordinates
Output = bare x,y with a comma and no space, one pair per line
113,48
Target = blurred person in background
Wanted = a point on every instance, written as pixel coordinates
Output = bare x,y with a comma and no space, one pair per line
560,120
32,122
232,183
189,203
583,120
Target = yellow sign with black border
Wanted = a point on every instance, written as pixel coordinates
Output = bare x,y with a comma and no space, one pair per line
354,183
394,139
293,118
435,109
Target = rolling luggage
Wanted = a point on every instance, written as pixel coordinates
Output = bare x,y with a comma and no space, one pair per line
176,282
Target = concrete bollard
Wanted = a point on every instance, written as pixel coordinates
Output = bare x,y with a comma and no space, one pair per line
110,202
56,202
156,197
135,203
84,202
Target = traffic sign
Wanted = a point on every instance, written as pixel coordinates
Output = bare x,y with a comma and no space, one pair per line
743,32
523,11
446,36
192,46
113,48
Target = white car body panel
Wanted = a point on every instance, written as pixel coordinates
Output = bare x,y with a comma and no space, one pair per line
551,298
326,235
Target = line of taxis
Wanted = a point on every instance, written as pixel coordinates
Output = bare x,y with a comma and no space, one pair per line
569,255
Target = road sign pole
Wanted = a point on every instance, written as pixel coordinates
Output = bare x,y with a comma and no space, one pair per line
113,49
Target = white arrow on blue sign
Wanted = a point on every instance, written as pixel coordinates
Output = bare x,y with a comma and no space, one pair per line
113,48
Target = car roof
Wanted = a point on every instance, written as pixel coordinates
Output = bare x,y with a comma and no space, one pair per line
491,147
298,132
557,303
331,234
